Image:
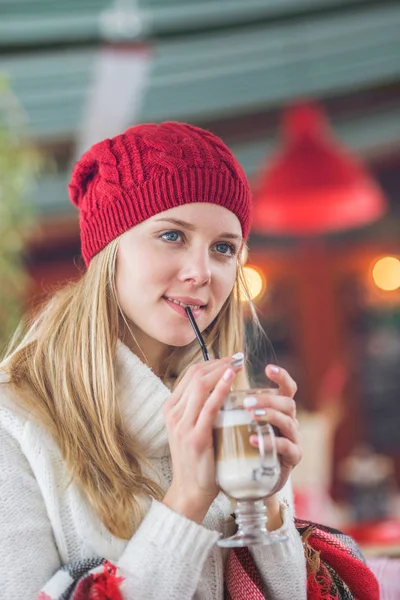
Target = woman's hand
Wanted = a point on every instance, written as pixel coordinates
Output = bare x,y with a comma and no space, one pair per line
189,415
279,409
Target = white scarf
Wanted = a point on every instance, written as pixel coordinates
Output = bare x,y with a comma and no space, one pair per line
141,395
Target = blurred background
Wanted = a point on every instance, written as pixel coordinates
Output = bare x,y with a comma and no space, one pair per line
307,95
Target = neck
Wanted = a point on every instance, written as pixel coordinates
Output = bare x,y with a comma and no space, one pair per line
150,351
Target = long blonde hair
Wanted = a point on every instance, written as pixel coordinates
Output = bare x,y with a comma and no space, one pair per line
63,368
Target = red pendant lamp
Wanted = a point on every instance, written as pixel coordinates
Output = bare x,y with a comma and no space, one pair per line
313,186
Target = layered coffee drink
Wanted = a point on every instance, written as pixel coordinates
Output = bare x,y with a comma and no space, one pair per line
243,471
246,472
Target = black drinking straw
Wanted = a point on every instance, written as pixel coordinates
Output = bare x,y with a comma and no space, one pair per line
193,323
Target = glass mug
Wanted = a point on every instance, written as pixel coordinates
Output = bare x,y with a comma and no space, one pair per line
244,472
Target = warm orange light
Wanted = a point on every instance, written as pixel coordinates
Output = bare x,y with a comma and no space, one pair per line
255,281
386,273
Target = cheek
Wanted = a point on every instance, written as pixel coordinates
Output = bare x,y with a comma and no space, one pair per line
146,273
123,284
128,277
225,281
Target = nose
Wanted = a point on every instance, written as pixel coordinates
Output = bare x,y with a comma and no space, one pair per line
196,267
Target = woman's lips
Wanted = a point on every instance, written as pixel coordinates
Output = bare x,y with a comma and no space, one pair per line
180,309
187,301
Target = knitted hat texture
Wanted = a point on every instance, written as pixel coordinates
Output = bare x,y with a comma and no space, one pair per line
122,181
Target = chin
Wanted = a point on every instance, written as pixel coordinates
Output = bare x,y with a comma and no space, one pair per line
178,340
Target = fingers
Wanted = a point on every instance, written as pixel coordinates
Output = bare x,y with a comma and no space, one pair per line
287,386
200,390
287,426
289,452
189,398
280,412
284,404
214,403
195,372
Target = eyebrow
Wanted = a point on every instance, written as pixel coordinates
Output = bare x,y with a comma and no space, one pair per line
191,227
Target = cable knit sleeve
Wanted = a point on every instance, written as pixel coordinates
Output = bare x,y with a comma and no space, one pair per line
28,554
164,558
282,566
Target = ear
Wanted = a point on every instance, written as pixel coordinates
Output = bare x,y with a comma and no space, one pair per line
83,173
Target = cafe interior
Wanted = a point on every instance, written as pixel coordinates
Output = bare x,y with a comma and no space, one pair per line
307,96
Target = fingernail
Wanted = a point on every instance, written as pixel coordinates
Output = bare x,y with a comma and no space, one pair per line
228,375
238,363
259,412
250,401
274,369
238,355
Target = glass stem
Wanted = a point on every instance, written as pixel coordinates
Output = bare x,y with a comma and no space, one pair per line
251,516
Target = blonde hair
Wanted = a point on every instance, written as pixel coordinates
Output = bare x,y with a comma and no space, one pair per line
64,370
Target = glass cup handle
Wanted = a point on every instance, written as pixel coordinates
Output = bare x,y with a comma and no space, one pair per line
266,468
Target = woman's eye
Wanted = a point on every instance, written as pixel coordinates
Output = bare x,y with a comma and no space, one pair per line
171,236
225,248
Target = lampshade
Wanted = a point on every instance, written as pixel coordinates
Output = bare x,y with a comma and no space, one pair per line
313,186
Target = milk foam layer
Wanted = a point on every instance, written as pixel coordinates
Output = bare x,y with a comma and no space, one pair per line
239,475
229,418
235,478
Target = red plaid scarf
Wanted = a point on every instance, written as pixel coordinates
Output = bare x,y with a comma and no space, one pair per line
335,568
335,571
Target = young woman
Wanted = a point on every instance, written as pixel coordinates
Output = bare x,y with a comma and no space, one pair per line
106,406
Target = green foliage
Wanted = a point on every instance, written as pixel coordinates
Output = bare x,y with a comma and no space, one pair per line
19,164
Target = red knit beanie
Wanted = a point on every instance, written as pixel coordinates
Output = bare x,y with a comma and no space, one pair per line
123,181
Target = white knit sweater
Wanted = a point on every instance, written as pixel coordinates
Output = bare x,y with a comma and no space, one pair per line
44,524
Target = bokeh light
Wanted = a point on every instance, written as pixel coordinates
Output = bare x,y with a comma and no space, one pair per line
386,273
255,281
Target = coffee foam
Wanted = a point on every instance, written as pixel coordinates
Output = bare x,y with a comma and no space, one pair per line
230,418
